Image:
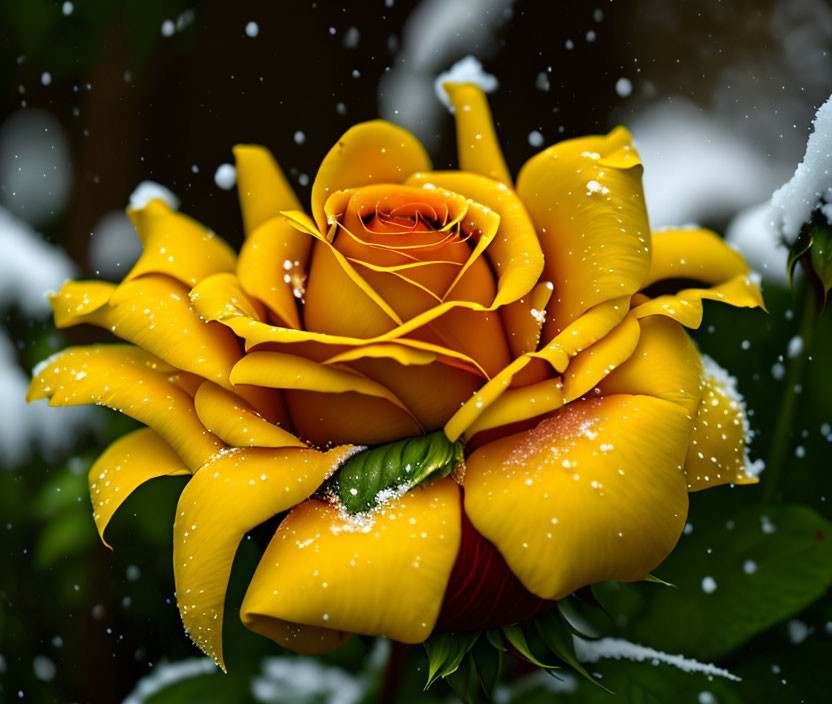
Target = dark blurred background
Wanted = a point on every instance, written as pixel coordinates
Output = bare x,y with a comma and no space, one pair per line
99,95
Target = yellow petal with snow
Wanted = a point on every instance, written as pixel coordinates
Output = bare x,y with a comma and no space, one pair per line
523,320
155,313
586,200
123,467
686,308
718,452
595,492
261,186
478,148
582,333
77,299
696,254
236,422
521,404
665,364
272,267
381,575
177,245
370,152
596,362
122,377
227,497
220,296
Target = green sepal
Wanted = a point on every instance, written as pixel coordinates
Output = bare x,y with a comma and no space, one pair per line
517,638
489,664
495,637
465,682
557,634
446,651
657,580
405,462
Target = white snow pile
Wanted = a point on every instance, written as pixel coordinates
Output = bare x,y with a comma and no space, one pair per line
695,168
305,681
466,70
147,191
811,186
763,232
167,674
753,233
592,651
28,269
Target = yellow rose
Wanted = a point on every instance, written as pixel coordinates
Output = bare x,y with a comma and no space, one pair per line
537,325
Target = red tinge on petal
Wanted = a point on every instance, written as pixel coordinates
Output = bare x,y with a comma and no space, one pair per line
482,591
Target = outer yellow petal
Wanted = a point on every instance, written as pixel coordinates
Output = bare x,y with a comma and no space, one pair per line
594,492
586,200
177,245
220,296
77,299
381,575
665,364
261,186
155,313
686,306
477,145
694,254
305,640
124,466
236,422
272,267
235,492
370,152
122,377
718,452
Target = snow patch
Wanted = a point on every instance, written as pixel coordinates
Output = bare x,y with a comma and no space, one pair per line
166,674
466,70
618,648
811,186
147,191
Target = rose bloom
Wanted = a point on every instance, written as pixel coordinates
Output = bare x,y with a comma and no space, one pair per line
539,323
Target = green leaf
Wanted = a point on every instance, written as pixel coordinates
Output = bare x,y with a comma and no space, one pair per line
514,634
402,463
821,255
556,633
446,651
799,247
64,535
735,580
